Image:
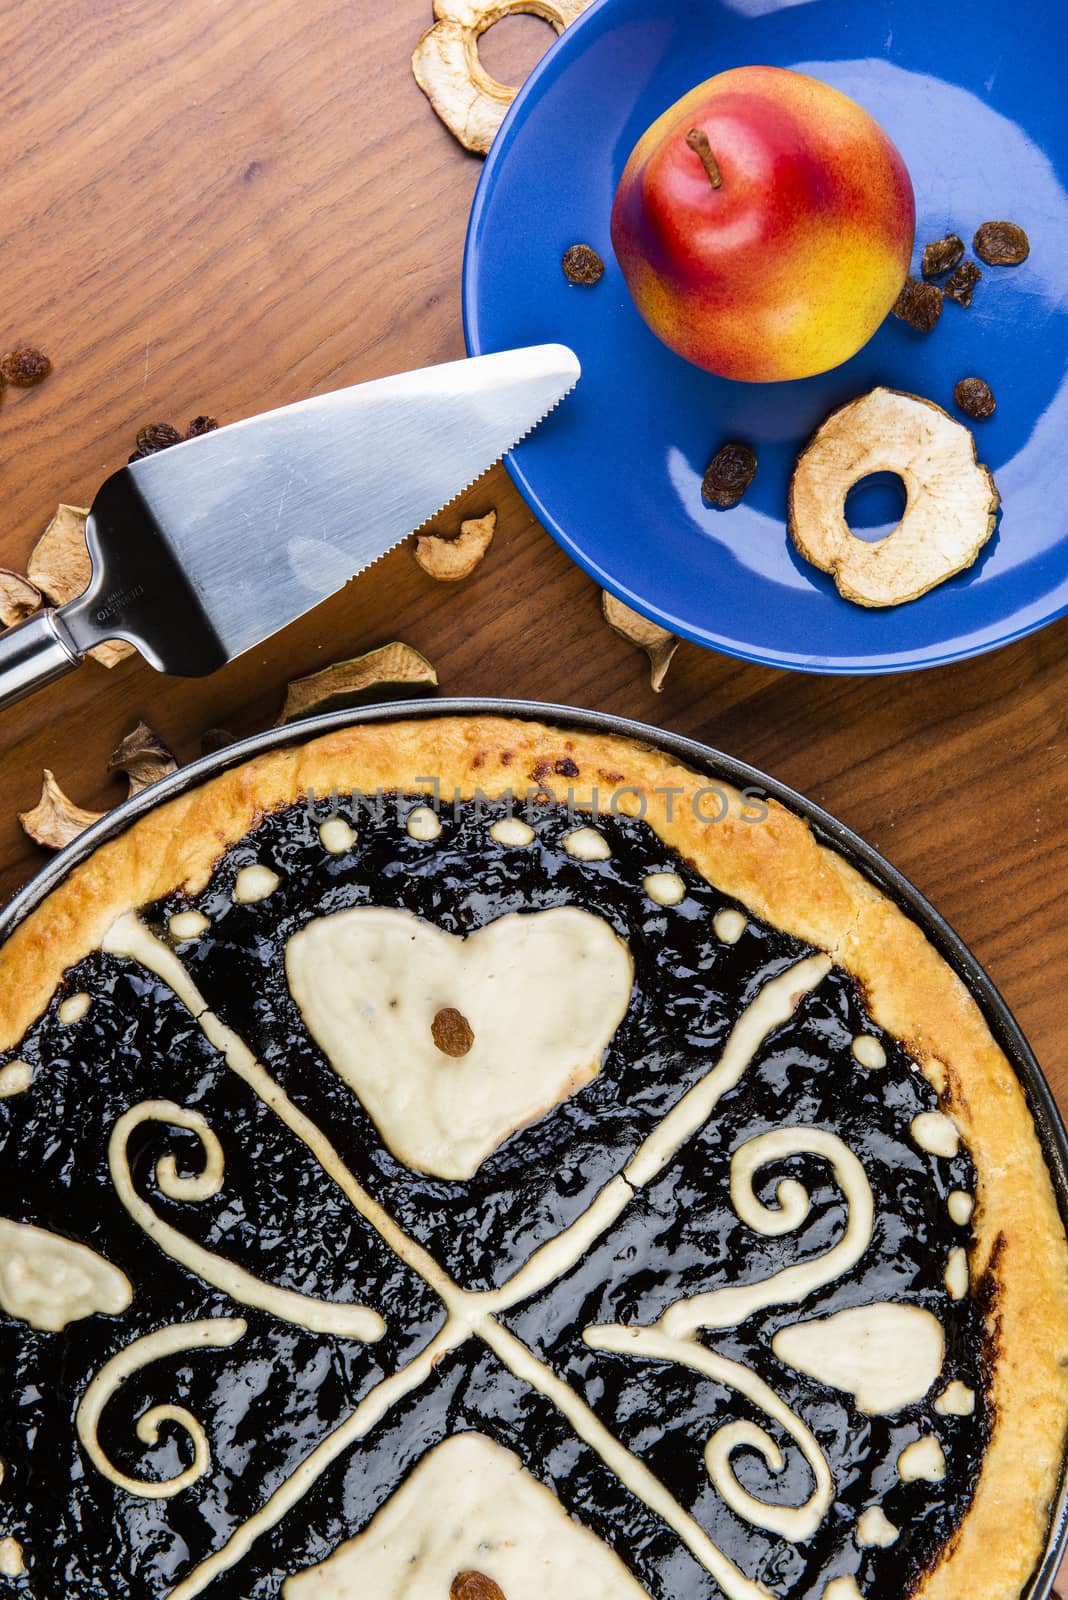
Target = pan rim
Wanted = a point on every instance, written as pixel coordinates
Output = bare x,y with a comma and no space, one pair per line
1049,1125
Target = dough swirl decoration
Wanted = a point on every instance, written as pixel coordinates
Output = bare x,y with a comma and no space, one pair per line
674,1338
724,1307
320,1316
218,1333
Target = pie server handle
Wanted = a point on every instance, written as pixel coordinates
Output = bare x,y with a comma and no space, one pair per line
32,654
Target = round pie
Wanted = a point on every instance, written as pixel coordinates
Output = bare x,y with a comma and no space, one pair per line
462,1158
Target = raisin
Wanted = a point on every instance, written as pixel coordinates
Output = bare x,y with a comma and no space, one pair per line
582,264
451,1032
942,255
474,1586
1001,244
918,304
961,286
728,475
975,398
201,425
24,368
157,436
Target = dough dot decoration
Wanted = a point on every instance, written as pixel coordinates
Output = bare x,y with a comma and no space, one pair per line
337,836
74,1009
586,844
12,1564
923,1459
15,1078
512,832
956,1274
255,883
729,925
665,888
423,824
936,1133
956,1400
874,1528
869,1052
185,926
843,1589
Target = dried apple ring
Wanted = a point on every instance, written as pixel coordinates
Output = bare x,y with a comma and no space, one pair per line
950,509
449,70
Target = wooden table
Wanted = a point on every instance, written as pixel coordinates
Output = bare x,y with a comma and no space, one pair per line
223,208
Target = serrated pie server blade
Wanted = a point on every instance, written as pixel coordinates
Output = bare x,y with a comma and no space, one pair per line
205,549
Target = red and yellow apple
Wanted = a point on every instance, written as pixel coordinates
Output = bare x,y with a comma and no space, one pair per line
764,225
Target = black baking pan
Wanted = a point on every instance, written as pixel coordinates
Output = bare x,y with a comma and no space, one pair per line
717,766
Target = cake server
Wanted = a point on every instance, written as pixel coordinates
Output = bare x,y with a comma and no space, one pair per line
205,549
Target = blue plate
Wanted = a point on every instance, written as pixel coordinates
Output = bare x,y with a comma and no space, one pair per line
973,96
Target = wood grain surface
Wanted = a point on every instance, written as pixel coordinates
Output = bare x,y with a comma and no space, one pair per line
222,209
227,207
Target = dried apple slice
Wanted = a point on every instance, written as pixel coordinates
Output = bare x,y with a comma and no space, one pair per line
19,598
951,507
658,644
447,67
55,820
60,567
343,683
144,758
59,564
452,559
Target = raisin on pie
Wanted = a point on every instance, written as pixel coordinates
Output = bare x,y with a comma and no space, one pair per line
505,1195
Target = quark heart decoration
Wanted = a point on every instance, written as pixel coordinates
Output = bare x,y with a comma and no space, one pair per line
452,1044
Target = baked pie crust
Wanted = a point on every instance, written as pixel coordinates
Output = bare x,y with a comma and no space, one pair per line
1011,1268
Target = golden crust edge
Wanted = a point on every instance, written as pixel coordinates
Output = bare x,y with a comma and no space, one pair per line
779,870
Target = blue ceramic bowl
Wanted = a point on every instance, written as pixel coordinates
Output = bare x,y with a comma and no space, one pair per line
973,97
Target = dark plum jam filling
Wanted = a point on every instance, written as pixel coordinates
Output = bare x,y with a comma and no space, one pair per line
270,1398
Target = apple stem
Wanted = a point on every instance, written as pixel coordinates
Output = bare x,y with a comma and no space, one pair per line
697,139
